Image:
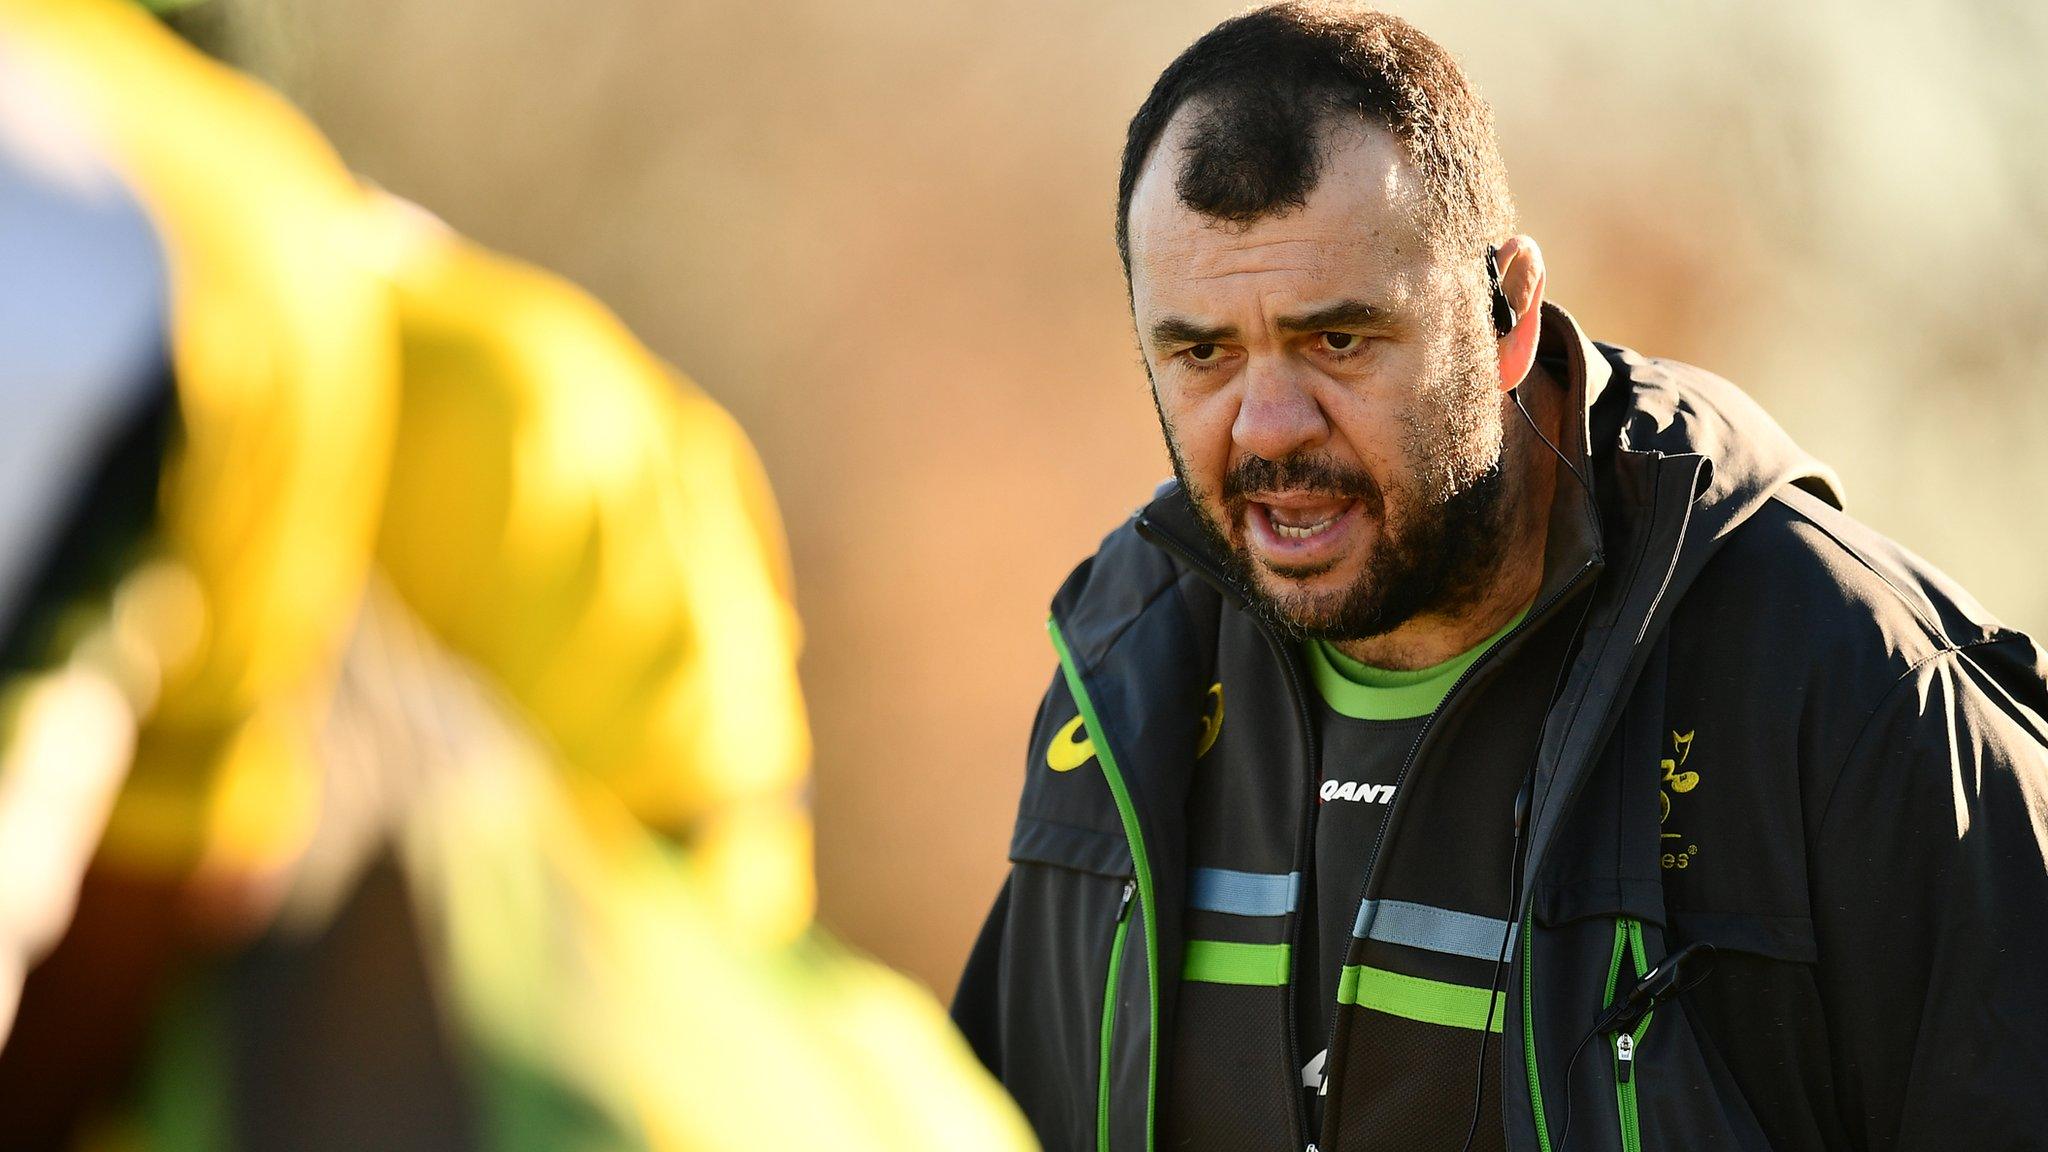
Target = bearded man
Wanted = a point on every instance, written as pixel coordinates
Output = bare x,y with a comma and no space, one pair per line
1492,739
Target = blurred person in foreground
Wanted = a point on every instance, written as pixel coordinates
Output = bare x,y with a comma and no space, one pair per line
1492,739
400,678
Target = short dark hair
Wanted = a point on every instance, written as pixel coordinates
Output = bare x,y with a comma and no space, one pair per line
1271,80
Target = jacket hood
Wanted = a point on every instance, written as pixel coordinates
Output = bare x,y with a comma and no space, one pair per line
1650,409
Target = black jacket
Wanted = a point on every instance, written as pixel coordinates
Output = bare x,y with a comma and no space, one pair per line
1865,841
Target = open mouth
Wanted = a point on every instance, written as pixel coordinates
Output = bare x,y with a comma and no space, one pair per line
1300,528
1297,530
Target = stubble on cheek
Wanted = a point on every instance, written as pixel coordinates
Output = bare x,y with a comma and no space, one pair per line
1224,531
1452,434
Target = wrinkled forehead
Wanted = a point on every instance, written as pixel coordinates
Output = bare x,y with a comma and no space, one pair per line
1363,226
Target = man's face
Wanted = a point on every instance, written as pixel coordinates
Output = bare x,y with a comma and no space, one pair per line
1329,392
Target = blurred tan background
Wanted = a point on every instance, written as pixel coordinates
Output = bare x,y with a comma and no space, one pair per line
880,233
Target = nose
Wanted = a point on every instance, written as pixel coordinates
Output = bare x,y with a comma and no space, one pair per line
1278,415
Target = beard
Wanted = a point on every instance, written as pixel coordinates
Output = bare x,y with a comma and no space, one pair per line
1440,537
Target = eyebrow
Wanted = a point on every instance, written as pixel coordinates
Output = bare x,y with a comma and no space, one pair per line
1342,314
1181,330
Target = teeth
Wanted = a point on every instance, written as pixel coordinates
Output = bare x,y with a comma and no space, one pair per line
1290,532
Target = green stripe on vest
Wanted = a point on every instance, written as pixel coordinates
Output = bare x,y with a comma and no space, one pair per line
1414,998
1225,962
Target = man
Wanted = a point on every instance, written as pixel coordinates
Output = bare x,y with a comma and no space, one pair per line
1492,739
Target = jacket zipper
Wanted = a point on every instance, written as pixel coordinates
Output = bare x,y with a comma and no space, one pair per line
1628,936
1116,969
1529,1030
1141,867
1624,1055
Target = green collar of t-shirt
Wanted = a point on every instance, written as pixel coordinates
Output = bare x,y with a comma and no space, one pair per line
1364,692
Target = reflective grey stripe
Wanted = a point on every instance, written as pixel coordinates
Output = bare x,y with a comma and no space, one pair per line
1244,893
1433,929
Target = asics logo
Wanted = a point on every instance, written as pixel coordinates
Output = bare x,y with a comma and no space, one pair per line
1212,720
1070,747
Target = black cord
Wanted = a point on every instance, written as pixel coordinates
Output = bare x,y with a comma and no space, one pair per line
1586,606
1570,1066
1500,958
1523,803
1515,394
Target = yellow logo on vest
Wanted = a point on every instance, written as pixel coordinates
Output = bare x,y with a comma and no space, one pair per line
1680,782
1212,720
1070,747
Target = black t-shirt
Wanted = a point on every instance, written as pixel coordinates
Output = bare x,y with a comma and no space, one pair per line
1270,922
1233,1075
1367,720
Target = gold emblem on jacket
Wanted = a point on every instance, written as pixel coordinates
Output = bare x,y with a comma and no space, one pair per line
1681,782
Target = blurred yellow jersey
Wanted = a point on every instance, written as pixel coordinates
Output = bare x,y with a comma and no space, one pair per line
364,400
356,387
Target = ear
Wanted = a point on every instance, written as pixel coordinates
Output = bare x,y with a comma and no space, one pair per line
1522,281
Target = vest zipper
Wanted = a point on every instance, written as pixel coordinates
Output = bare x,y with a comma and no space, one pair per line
1116,969
1304,849
1141,889
1628,937
1304,863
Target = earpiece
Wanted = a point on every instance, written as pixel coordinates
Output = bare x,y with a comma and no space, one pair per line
1504,318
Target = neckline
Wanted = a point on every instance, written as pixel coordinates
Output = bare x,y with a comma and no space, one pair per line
1363,692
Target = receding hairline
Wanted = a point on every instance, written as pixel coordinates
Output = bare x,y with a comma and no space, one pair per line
1338,130
1331,56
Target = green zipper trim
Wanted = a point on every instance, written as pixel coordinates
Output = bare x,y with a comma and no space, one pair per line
1116,968
1614,960
1229,962
1529,1034
1128,812
1628,934
1419,999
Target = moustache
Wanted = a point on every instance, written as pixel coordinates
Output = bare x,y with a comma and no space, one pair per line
1308,474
